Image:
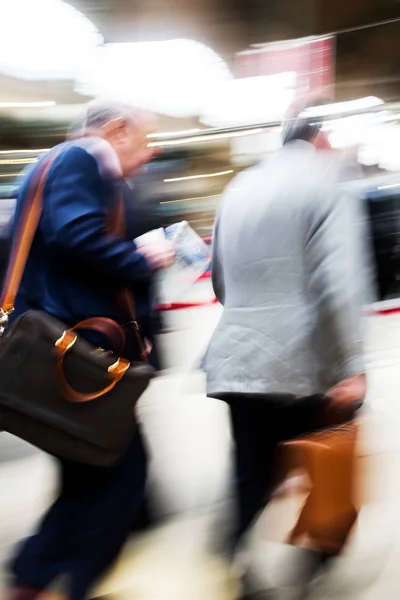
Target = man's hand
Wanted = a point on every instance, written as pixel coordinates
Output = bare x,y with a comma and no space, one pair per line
144,155
159,255
349,390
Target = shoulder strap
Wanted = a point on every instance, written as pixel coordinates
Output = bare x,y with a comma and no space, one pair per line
126,298
117,226
23,237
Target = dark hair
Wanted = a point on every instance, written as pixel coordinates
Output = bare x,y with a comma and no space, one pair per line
299,125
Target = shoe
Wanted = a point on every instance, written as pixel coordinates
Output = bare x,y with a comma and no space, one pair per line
251,591
261,595
22,593
145,519
317,567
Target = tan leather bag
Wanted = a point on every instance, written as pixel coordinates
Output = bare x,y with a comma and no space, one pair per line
329,513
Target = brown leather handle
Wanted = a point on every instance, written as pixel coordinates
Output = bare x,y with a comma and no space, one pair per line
108,328
117,370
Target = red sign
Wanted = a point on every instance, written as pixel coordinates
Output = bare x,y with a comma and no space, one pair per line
312,59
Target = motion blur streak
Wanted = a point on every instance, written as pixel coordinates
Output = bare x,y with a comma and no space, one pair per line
203,176
221,77
27,104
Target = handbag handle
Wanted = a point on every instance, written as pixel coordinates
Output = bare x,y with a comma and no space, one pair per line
107,328
63,345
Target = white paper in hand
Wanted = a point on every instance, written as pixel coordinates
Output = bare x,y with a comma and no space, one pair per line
192,260
155,236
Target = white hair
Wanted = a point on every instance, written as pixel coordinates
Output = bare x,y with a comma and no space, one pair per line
99,112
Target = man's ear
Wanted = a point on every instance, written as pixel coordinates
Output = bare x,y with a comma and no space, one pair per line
114,128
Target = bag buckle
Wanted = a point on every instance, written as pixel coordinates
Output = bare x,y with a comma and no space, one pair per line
119,367
4,314
134,324
66,341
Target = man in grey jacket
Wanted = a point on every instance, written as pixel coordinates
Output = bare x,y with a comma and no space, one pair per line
286,270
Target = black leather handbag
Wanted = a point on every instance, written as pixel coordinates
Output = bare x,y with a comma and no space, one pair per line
58,391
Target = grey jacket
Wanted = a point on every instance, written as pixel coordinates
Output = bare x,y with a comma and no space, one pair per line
286,267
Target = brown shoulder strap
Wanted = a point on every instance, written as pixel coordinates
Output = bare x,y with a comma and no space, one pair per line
23,237
126,298
117,226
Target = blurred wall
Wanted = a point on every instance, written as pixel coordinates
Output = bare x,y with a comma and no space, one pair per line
367,62
342,14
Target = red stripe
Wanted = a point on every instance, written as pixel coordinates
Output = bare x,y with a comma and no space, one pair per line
183,305
206,275
385,311
203,277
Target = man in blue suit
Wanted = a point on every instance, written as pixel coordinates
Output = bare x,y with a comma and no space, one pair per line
77,267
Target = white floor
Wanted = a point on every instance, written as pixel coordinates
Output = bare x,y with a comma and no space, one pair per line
189,438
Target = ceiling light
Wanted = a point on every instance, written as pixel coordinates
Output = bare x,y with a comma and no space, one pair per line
190,199
205,176
27,104
344,107
17,161
44,39
31,151
389,187
172,133
171,77
206,138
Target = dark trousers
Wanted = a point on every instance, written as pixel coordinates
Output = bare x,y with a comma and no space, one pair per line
259,424
85,529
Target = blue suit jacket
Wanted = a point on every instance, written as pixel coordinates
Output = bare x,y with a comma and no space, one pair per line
76,268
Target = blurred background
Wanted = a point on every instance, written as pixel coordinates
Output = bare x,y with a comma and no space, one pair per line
220,75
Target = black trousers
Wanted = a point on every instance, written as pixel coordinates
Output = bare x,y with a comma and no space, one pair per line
85,529
259,424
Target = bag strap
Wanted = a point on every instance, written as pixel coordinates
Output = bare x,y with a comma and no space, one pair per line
23,238
126,298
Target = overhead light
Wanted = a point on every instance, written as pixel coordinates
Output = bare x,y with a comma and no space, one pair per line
10,175
205,138
173,77
36,151
172,133
190,199
205,176
289,43
45,39
17,161
343,107
250,101
389,187
27,104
